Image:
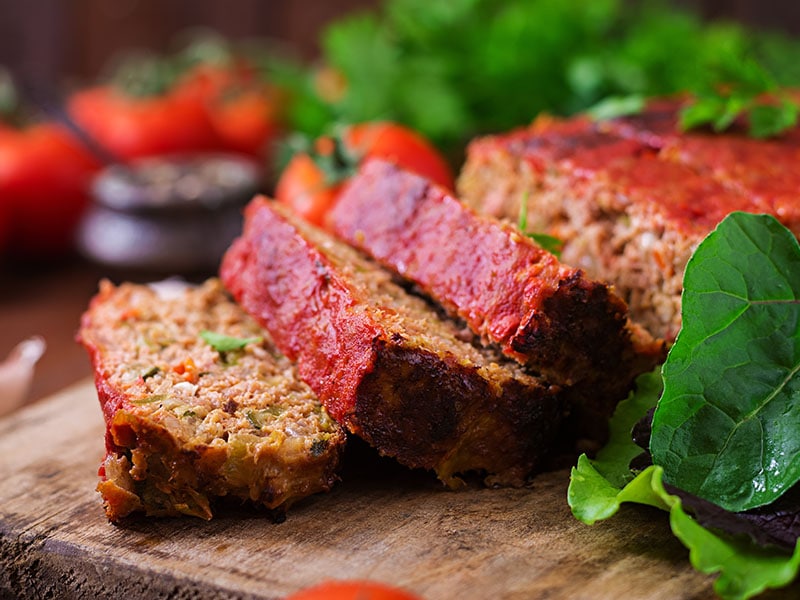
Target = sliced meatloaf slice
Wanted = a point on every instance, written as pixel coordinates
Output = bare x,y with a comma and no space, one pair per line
625,212
199,404
546,315
383,361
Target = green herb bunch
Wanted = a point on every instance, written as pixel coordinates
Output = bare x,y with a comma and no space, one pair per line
455,69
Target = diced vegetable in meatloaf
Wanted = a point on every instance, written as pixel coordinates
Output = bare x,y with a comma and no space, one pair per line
383,362
546,315
630,198
199,404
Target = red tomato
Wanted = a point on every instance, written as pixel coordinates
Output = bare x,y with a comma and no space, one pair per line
44,180
309,191
246,121
402,146
303,187
244,112
352,590
133,127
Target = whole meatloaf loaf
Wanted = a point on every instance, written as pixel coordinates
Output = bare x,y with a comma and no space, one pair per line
629,205
383,362
548,316
199,404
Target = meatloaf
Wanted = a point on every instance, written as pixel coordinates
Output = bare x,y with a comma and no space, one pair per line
631,198
383,361
548,316
199,404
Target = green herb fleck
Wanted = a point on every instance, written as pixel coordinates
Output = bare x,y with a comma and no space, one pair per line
151,372
225,343
150,399
547,242
252,417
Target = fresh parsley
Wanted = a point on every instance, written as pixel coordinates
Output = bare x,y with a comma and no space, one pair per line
454,70
744,91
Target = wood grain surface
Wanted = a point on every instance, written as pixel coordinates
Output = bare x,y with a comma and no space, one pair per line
381,522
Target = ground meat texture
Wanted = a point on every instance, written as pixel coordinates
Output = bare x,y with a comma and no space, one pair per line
382,361
546,315
187,423
631,198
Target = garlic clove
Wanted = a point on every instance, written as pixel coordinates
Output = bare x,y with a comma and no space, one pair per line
16,373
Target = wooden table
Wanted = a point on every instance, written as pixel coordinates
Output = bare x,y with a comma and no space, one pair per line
380,522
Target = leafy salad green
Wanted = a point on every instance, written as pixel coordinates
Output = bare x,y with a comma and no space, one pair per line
725,426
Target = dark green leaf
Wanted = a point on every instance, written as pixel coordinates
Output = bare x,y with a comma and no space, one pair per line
727,427
225,343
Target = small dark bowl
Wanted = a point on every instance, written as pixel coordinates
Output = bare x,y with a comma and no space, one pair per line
170,214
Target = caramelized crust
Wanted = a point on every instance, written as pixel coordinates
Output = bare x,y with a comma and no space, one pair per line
383,362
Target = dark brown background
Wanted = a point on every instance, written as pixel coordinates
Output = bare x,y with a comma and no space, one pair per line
55,38
51,39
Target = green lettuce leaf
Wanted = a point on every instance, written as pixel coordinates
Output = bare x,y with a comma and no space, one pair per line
595,494
595,485
727,427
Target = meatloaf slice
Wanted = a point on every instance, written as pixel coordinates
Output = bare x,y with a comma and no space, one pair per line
383,362
625,212
199,404
546,315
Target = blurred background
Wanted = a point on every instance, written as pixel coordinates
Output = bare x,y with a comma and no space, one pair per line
75,38
57,38
256,76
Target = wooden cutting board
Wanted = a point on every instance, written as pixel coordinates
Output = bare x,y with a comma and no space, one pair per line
381,522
